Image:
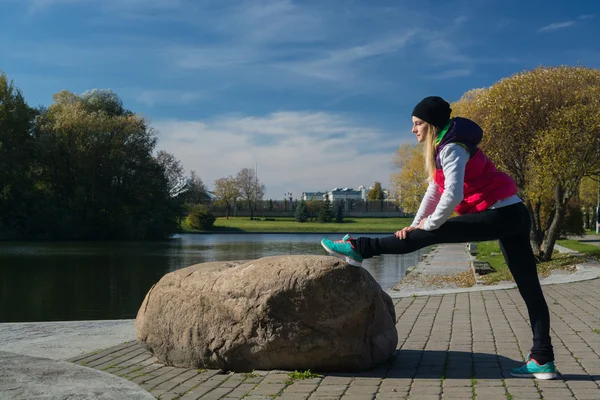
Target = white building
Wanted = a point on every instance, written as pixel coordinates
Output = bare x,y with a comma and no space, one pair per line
348,193
307,196
337,194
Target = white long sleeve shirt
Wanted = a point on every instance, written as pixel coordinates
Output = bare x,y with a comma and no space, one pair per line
436,207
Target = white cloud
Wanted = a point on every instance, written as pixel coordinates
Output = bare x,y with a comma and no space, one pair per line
586,16
555,26
341,64
452,73
272,43
267,21
214,57
294,151
158,97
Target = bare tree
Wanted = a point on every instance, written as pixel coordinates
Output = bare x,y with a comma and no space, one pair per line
251,190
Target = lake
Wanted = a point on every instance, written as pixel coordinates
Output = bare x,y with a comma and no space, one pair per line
66,281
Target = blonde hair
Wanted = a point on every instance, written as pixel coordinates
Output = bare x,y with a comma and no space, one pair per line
429,151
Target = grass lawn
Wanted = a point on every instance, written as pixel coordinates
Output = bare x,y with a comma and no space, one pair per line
490,252
350,225
588,249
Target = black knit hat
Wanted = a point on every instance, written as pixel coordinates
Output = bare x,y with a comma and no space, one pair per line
433,109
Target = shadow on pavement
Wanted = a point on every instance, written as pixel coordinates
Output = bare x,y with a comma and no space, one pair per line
436,364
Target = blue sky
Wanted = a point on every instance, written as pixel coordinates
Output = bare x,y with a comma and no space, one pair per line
317,94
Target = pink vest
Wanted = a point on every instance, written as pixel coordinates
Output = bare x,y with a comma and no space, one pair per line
484,185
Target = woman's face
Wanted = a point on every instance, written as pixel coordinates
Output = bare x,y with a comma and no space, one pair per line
419,129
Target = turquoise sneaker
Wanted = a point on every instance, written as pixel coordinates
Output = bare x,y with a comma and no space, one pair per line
534,370
343,249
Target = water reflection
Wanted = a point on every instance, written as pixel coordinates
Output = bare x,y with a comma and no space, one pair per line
83,280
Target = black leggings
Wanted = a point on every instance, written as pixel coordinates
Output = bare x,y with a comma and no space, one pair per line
510,225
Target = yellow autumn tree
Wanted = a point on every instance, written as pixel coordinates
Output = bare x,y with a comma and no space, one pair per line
468,105
543,128
409,183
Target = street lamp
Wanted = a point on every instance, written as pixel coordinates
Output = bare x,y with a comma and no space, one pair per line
598,209
285,200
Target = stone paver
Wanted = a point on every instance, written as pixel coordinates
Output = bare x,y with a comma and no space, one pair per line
451,346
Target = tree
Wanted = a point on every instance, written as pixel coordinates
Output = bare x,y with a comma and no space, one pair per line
196,190
339,212
376,193
572,224
468,105
173,168
227,193
301,214
410,182
313,207
543,128
98,174
326,211
17,158
101,100
250,188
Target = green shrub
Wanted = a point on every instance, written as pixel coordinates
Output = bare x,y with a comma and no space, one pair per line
301,214
573,223
201,218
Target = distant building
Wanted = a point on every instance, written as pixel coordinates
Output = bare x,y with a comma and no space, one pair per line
307,196
337,194
347,193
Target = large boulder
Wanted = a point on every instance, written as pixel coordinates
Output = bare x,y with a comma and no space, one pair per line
281,312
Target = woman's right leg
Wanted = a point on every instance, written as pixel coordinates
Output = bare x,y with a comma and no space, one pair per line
486,225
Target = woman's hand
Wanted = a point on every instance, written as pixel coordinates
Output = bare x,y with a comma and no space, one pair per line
401,234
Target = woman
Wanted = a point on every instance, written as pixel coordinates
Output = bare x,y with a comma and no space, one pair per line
463,179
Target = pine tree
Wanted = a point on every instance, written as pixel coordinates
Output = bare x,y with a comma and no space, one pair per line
326,211
301,214
339,212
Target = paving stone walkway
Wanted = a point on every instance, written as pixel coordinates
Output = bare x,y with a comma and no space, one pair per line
451,346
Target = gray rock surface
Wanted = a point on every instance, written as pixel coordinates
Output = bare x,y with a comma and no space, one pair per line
26,377
281,312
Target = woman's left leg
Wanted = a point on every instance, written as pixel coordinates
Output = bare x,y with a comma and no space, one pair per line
521,262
